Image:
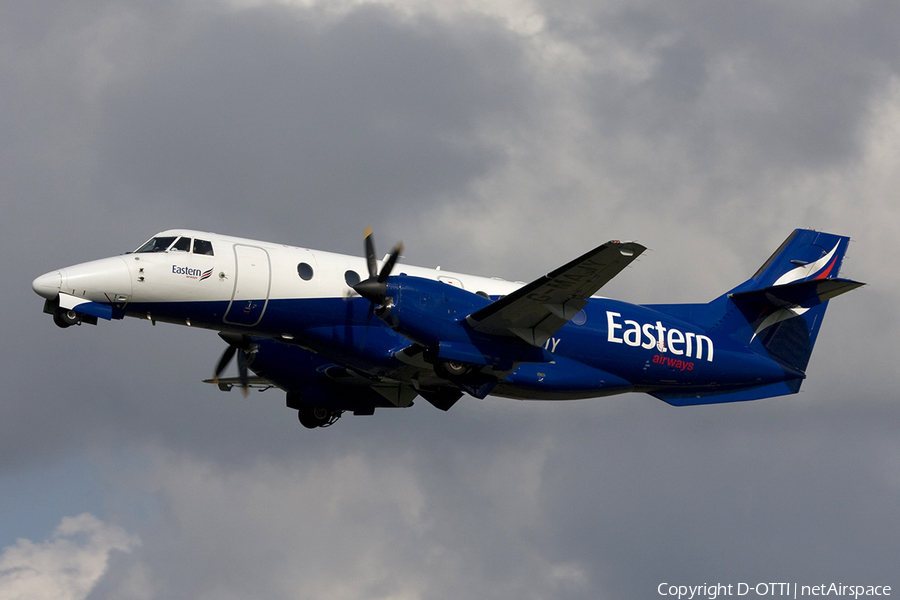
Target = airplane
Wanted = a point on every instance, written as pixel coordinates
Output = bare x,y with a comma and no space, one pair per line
343,334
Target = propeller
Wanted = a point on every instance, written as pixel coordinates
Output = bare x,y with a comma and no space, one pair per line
235,342
374,288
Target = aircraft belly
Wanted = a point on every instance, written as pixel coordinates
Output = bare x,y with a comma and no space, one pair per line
561,379
731,370
206,314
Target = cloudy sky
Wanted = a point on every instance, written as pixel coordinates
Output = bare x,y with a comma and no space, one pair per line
498,137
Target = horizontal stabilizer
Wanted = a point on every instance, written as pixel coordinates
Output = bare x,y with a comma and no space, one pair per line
799,293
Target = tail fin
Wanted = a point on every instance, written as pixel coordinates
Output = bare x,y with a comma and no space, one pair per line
782,306
777,313
805,255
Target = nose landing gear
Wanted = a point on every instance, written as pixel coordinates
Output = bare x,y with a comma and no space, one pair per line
65,318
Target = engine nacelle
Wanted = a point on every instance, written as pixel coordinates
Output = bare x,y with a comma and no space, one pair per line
433,314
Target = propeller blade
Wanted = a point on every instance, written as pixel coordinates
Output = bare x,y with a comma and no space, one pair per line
370,253
374,288
391,261
223,362
242,372
235,342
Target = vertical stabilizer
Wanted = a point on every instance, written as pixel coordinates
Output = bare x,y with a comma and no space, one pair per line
782,306
804,255
777,313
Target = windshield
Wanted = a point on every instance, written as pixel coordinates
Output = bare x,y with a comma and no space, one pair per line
182,245
157,244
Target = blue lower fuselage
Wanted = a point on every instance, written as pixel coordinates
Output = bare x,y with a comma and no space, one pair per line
611,347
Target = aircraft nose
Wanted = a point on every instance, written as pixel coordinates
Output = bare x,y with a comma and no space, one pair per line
99,280
47,285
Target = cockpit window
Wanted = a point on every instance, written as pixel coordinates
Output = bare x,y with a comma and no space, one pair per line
157,244
203,247
182,245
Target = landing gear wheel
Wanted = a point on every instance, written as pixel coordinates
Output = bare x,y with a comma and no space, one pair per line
312,417
451,369
65,318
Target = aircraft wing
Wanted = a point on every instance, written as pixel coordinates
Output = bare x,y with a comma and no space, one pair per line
538,310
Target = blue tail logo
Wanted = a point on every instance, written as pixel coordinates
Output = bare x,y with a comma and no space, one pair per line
785,301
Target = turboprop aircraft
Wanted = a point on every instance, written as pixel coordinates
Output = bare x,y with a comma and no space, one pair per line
342,334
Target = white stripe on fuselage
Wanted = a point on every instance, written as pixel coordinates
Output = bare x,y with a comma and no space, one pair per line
171,276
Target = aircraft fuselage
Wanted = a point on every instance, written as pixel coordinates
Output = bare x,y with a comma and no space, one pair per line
295,306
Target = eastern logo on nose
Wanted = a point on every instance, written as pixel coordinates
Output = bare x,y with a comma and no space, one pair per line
191,273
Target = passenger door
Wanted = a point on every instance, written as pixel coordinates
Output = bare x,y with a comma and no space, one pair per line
252,282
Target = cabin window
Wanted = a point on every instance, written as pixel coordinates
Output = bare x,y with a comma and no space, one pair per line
203,247
305,271
157,244
182,245
351,277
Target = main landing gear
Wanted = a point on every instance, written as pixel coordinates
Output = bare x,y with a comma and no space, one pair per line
451,369
473,379
316,416
311,416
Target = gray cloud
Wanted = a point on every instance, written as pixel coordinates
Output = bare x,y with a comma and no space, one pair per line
271,114
705,131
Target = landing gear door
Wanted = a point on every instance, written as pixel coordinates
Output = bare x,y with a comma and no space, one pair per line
252,282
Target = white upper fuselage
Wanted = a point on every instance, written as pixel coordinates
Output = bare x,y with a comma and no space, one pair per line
237,269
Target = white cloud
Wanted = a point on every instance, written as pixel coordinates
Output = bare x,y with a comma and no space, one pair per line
68,566
521,16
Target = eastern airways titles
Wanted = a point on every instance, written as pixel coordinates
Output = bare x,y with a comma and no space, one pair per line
186,271
664,339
